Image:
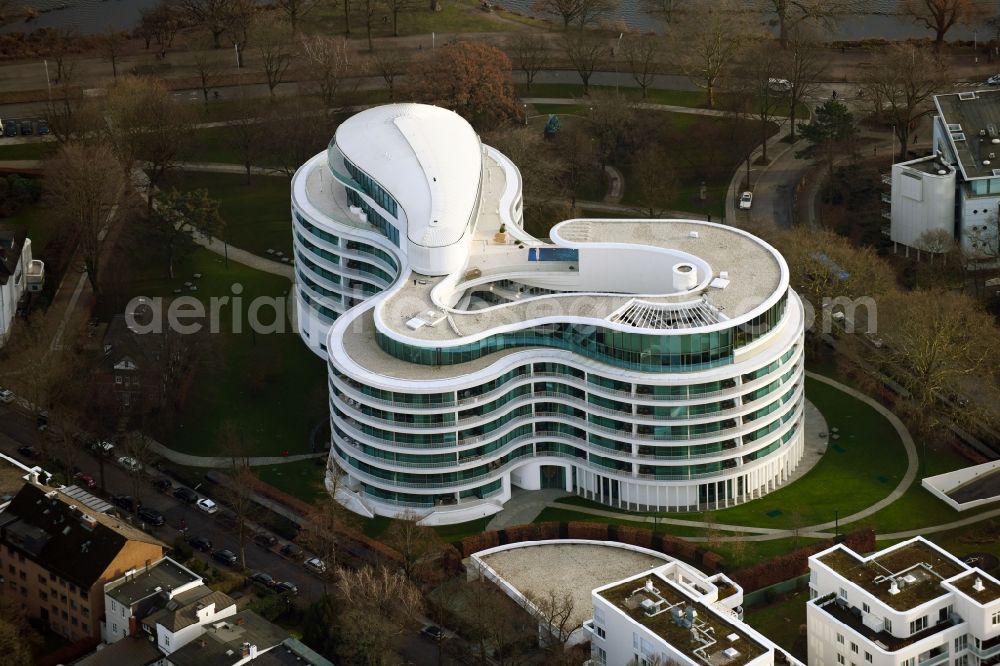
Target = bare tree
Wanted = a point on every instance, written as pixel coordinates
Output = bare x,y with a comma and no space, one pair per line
792,14
641,53
396,7
329,64
208,67
112,43
902,86
274,49
19,640
415,542
241,17
586,51
240,489
347,4
665,10
59,43
213,15
582,12
296,10
554,610
530,52
802,68
138,447
68,113
389,64
145,123
369,9
246,135
86,184
942,15
654,180
498,628
713,39
178,218
292,130
381,604
758,70
161,23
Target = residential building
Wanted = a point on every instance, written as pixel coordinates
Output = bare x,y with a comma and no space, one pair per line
912,604
952,196
19,273
57,554
242,638
133,369
645,364
675,614
165,601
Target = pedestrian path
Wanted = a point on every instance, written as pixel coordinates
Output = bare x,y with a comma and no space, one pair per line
220,462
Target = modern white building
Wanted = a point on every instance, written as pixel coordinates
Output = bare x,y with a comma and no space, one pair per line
19,273
912,604
675,614
646,364
953,193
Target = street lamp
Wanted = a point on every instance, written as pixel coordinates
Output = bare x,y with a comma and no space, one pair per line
525,114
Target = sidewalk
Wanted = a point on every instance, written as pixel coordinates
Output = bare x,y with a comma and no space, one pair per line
221,462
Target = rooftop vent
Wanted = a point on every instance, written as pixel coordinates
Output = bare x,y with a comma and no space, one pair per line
693,234
942,172
893,588
995,140
978,585
649,586
732,638
685,277
986,162
731,653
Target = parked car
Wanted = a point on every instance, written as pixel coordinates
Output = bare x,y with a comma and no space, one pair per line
85,479
151,517
129,463
185,495
286,586
225,556
125,502
781,85
27,451
993,80
261,578
746,200
103,447
433,632
10,128
42,419
291,550
207,505
27,127
315,565
200,543
163,485
43,127
6,396
265,540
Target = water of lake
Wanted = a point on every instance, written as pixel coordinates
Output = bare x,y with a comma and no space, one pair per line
871,18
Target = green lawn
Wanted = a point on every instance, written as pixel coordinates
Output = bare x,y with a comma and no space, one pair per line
39,223
302,479
35,150
257,215
783,621
269,386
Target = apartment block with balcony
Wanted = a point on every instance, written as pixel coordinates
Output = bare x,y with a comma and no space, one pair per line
912,604
645,364
20,275
952,196
675,614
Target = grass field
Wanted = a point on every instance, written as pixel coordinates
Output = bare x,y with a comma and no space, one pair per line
269,386
26,151
302,479
257,215
39,224
783,621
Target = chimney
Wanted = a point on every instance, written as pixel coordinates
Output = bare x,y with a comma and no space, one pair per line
978,585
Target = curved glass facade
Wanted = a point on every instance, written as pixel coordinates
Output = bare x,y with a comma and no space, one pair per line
633,351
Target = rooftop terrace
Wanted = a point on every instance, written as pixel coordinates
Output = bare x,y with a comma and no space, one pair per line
712,639
917,568
973,121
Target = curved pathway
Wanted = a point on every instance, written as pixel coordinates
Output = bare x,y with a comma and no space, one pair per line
219,462
818,531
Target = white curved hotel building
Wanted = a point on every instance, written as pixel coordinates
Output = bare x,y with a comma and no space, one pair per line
645,364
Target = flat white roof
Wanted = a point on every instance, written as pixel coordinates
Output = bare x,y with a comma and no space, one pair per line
428,158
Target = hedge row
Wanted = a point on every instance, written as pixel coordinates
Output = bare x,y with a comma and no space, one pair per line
796,563
634,536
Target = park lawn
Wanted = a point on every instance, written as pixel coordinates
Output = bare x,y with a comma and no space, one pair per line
212,144
257,215
35,150
269,386
38,222
783,621
302,479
